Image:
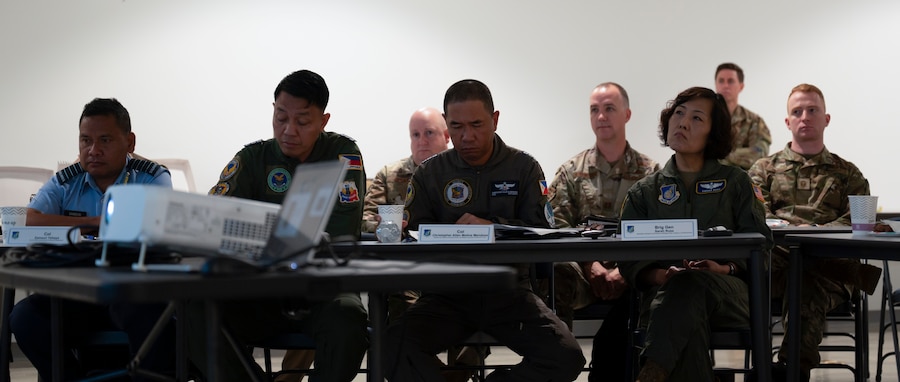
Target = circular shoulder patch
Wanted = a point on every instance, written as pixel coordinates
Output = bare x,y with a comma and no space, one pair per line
230,169
220,189
278,180
548,214
457,193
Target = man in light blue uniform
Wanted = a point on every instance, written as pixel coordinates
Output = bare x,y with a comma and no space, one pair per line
73,197
72,192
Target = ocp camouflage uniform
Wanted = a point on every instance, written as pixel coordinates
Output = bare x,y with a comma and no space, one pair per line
811,190
751,138
388,187
588,185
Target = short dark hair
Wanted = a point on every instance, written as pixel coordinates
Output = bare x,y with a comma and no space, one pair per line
621,91
110,107
721,137
307,85
731,66
469,90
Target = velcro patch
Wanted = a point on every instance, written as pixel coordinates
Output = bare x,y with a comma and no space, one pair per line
505,188
711,186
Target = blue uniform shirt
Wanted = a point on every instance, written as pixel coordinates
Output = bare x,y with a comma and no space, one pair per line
73,192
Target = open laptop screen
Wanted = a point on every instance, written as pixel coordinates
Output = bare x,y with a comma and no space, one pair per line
305,211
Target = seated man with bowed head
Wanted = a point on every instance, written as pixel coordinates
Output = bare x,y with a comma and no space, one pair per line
458,186
681,301
805,184
74,197
262,171
427,136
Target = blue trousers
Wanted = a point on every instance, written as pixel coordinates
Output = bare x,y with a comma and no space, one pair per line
30,323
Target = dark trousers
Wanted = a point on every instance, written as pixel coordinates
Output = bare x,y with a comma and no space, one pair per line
609,355
517,319
338,327
30,323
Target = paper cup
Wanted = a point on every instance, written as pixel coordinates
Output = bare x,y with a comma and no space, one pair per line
863,209
391,212
11,217
389,230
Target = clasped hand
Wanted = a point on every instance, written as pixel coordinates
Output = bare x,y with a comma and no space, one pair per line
663,275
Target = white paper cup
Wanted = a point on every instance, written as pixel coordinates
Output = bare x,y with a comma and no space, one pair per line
863,209
11,217
392,212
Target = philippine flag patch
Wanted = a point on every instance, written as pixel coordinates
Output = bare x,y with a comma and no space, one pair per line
354,159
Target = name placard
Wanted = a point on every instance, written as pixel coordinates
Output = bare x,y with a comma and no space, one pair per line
21,236
456,233
663,229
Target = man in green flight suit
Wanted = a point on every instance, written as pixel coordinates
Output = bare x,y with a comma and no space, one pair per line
262,171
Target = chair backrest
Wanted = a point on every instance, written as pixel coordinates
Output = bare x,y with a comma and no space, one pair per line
182,176
19,183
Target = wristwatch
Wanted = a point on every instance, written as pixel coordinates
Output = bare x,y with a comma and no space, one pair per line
731,269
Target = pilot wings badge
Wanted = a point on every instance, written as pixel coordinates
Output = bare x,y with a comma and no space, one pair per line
710,186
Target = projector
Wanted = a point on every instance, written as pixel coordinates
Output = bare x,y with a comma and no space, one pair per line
154,216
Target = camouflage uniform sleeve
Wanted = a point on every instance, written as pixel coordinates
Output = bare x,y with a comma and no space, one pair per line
418,202
758,139
857,184
376,195
759,176
563,211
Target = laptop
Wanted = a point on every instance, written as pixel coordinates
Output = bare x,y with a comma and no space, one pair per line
305,212
297,231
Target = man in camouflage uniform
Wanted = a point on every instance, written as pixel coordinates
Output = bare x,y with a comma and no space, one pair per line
751,135
594,183
806,184
427,136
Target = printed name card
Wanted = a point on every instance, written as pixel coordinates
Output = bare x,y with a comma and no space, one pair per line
456,233
663,229
22,236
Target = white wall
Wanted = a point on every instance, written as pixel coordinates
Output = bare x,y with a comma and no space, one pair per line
198,76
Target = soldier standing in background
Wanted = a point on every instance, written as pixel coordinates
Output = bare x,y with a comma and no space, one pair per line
751,135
